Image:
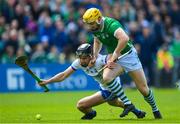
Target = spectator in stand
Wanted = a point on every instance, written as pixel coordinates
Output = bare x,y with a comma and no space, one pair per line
53,55
47,29
174,13
175,50
39,54
60,36
2,25
13,39
7,9
8,56
147,50
20,16
165,63
158,30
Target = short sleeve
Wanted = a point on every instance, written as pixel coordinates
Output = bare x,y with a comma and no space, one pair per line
114,26
75,65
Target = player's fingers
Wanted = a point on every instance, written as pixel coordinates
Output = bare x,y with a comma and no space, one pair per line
111,65
91,63
41,83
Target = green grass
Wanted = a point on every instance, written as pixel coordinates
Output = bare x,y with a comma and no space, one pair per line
60,107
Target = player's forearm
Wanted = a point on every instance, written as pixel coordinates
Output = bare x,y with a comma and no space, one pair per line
96,48
123,39
57,78
121,45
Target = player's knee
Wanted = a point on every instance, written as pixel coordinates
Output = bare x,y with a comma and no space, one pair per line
81,105
107,79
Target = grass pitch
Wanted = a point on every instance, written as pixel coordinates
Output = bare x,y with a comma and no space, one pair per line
60,107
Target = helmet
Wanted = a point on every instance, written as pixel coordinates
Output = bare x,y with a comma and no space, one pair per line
84,49
91,15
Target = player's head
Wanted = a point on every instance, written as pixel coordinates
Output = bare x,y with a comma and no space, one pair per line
84,53
93,19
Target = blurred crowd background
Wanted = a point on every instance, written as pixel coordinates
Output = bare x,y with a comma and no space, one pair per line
49,31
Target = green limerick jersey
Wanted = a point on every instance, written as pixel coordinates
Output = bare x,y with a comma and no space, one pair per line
106,35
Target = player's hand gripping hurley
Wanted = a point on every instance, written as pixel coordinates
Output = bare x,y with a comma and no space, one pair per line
22,62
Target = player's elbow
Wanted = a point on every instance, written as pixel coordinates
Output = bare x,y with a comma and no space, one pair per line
107,79
124,39
121,35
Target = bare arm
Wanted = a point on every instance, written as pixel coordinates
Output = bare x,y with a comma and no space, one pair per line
59,77
123,38
96,47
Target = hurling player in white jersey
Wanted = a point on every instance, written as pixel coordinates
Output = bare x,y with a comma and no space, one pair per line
115,97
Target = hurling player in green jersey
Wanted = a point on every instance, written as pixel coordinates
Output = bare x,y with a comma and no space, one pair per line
86,104
110,33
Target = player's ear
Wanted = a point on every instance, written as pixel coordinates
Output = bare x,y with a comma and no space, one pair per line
99,20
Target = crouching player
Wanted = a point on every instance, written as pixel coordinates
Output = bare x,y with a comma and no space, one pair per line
115,97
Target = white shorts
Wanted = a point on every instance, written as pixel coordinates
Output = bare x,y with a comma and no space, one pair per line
130,62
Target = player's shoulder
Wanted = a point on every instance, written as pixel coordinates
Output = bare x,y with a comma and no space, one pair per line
110,20
76,61
75,64
111,24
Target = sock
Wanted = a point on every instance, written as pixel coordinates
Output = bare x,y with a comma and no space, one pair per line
150,99
116,88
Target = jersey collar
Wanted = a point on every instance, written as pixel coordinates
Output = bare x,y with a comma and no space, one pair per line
103,24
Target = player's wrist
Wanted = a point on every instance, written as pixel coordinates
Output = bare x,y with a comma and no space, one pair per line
48,81
114,56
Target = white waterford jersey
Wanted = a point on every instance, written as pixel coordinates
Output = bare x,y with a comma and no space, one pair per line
92,71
